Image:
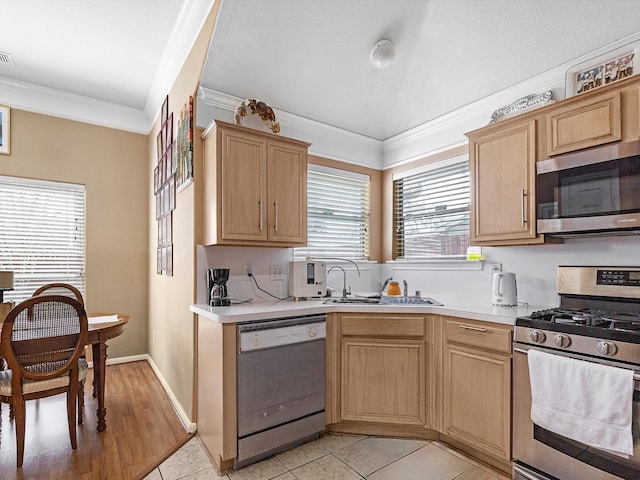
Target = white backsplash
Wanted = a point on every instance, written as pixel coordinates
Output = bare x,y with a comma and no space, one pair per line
535,268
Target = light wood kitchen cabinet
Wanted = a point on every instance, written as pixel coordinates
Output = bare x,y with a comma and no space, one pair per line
584,123
216,391
383,369
476,385
255,187
502,168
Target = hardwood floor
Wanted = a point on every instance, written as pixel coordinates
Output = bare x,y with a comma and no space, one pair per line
142,430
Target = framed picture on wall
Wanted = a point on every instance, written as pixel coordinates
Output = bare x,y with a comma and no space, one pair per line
156,179
5,130
167,164
184,141
174,157
165,198
169,256
602,70
165,110
159,145
169,129
172,193
168,230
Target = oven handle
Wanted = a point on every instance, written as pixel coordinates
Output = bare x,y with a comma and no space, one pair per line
636,375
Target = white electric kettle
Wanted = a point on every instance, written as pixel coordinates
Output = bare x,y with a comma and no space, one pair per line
504,290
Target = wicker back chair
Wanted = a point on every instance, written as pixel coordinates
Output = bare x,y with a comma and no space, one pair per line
60,289
42,339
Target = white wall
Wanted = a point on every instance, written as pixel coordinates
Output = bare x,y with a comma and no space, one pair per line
535,268
241,288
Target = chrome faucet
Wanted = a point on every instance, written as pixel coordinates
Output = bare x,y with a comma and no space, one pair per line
384,285
344,286
405,289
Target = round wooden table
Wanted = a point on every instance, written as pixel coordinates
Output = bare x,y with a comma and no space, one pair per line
99,333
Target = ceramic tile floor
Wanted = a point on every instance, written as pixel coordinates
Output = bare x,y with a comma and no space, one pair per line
336,457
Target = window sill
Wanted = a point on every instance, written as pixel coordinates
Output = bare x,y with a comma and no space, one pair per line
462,264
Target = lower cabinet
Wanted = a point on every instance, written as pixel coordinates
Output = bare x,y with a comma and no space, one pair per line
382,371
383,380
216,395
430,376
476,385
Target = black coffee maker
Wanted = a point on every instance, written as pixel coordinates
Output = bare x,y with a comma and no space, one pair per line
217,287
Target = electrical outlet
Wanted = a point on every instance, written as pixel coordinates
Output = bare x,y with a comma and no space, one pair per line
248,269
276,272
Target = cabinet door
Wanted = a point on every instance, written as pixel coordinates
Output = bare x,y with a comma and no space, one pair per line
503,184
287,193
243,174
582,124
383,381
477,399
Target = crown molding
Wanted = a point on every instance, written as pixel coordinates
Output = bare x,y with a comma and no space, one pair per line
181,40
57,103
447,131
326,140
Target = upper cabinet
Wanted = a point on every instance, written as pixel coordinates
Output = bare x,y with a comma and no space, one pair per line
255,188
503,156
502,173
586,123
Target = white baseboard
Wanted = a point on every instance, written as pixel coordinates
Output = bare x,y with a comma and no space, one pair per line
189,426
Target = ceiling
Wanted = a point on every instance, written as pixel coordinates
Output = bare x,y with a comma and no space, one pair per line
306,57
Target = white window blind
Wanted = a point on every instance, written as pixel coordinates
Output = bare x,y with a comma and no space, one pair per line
42,234
431,212
337,214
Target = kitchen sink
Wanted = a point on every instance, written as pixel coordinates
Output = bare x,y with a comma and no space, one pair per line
356,300
384,300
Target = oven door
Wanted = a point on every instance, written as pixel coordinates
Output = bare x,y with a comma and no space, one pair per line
558,456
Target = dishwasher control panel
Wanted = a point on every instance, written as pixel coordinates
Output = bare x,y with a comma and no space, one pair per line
274,333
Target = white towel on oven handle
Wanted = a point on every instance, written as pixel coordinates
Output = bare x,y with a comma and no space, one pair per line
585,401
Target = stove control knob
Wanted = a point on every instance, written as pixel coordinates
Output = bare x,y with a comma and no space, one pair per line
562,340
607,348
537,336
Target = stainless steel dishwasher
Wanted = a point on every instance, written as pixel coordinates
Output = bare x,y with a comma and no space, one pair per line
281,385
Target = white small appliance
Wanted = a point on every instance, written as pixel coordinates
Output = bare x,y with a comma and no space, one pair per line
504,290
307,279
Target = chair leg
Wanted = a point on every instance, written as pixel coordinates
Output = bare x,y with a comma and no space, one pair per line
12,412
20,414
72,395
71,414
81,403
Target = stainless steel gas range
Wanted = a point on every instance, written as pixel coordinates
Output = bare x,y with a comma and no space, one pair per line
598,321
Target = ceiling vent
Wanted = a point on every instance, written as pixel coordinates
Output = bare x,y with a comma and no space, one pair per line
6,59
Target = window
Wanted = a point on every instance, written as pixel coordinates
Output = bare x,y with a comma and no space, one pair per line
337,214
42,234
431,211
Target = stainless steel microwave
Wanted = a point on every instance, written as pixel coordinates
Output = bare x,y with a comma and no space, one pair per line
594,191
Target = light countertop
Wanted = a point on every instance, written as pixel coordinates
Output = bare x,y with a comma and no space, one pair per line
263,310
